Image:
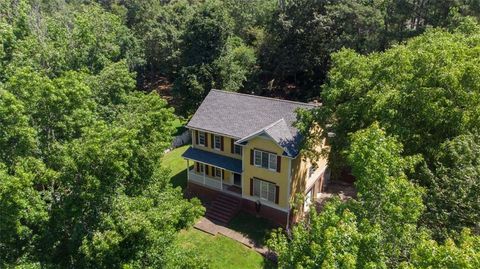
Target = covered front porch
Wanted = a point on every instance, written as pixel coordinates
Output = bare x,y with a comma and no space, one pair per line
214,171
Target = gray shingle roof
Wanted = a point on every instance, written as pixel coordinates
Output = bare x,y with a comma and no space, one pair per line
217,160
240,115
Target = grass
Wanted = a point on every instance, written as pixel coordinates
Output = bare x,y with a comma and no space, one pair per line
179,124
255,228
177,165
220,251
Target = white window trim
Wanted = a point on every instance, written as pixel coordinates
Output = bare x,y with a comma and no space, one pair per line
270,155
270,185
215,142
204,138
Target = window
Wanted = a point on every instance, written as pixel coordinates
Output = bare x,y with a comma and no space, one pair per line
272,161
265,160
217,142
218,172
201,138
201,167
311,170
264,190
238,149
308,200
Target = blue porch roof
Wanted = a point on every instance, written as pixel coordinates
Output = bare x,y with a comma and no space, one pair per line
210,158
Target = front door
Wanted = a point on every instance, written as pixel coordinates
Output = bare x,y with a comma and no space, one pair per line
237,179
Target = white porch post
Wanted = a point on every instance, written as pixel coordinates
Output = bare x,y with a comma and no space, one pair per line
204,174
221,179
188,170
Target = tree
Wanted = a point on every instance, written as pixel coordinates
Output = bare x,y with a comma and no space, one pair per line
329,239
17,137
461,253
57,108
76,38
413,90
24,212
452,187
386,196
234,65
377,230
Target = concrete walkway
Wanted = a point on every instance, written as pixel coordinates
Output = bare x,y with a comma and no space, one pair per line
208,226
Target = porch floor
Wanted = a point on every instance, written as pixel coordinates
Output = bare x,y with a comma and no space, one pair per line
233,188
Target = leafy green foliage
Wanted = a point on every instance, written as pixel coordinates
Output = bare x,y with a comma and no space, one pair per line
81,183
378,229
425,93
464,253
386,197
453,186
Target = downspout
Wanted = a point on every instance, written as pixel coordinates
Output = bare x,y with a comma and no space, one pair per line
289,191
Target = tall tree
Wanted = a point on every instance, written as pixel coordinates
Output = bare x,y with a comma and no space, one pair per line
377,230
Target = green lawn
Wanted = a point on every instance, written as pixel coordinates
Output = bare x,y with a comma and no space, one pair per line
179,124
220,251
254,228
177,165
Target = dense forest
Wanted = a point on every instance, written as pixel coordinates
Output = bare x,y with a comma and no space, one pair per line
84,123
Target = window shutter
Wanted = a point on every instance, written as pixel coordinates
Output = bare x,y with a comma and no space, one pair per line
213,140
251,157
221,143
279,163
223,174
206,140
197,165
206,169
251,187
196,137
232,146
277,194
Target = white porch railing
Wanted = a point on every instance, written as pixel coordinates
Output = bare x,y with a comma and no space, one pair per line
205,180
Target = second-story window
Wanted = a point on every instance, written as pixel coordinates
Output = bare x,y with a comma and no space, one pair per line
238,149
265,160
202,138
217,142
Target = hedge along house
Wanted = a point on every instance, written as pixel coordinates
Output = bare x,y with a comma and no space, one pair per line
245,154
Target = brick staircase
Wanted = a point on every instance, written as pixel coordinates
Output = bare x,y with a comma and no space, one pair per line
223,208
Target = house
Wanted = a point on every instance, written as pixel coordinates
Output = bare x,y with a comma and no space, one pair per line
245,154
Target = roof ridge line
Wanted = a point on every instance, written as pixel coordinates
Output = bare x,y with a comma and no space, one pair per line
264,97
272,124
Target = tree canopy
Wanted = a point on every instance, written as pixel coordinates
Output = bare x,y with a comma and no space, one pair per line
82,184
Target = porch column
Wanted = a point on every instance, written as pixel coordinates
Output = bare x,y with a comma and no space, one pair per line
221,179
204,174
188,171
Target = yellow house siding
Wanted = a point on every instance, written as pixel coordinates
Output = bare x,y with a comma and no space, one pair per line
299,173
251,171
300,166
227,145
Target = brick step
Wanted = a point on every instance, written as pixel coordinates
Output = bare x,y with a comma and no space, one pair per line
218,217
228,199
224,205
223,208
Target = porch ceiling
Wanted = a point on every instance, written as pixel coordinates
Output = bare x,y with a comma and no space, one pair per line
210,158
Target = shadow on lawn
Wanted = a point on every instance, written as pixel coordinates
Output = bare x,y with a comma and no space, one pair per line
180,179
256,228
